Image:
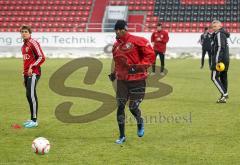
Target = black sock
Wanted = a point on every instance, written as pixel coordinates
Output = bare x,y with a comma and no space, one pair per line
140,123
121,130
137,114
121,120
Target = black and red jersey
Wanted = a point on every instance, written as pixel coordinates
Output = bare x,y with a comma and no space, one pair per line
32,55
132,52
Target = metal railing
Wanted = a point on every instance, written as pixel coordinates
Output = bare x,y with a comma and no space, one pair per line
133,27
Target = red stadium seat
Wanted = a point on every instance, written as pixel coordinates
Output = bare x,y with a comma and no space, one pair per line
143,8
180,24
131,2
44,25
3,29
83,3
136,7
148,19
174,25
74,30
234,24
82,25
186,30
201,25
155,19
81,30
194,24
144,2
130,7
174,30
86,13
150,8
7,19
84,19
194,30
200,30
179,30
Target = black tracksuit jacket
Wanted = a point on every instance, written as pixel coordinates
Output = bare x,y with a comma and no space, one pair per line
220,48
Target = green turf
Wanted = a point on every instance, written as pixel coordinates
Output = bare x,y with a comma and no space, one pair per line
209,135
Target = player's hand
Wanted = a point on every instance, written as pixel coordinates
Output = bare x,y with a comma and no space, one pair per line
30,71
133,69
112,76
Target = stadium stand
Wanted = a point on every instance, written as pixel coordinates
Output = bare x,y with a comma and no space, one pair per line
87,15
193,15
45,15
95,23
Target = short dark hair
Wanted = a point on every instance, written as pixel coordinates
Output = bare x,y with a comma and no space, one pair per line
120,25
206,28
25,27
159,24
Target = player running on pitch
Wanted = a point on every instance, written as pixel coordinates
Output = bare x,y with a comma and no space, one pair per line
132,56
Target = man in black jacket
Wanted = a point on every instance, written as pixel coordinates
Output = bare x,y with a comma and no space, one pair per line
220,51
205,41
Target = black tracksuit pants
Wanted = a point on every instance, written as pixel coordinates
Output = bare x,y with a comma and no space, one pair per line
30,83
133,91
162,61
204,51
220,79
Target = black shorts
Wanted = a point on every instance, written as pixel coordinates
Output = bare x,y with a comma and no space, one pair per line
130,90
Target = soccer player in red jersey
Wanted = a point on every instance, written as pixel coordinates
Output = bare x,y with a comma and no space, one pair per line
33,58
159,40
132,56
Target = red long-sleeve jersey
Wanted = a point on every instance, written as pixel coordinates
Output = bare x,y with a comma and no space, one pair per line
160,39
132,56
32,55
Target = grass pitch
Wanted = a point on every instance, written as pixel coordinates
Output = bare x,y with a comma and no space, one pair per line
185,127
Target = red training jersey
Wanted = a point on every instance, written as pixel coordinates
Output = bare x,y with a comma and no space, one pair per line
160,39
32,55
132,56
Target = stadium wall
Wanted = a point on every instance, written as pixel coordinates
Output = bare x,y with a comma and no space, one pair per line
74,45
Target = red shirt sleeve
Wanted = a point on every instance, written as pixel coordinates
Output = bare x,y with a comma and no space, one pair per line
38,52
146,52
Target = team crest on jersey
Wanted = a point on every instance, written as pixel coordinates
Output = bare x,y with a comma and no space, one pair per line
27,48
127,46
26,56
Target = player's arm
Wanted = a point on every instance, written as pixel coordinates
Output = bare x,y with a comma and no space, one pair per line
165,39
146,53
39,54
112,75
201,39
221,42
